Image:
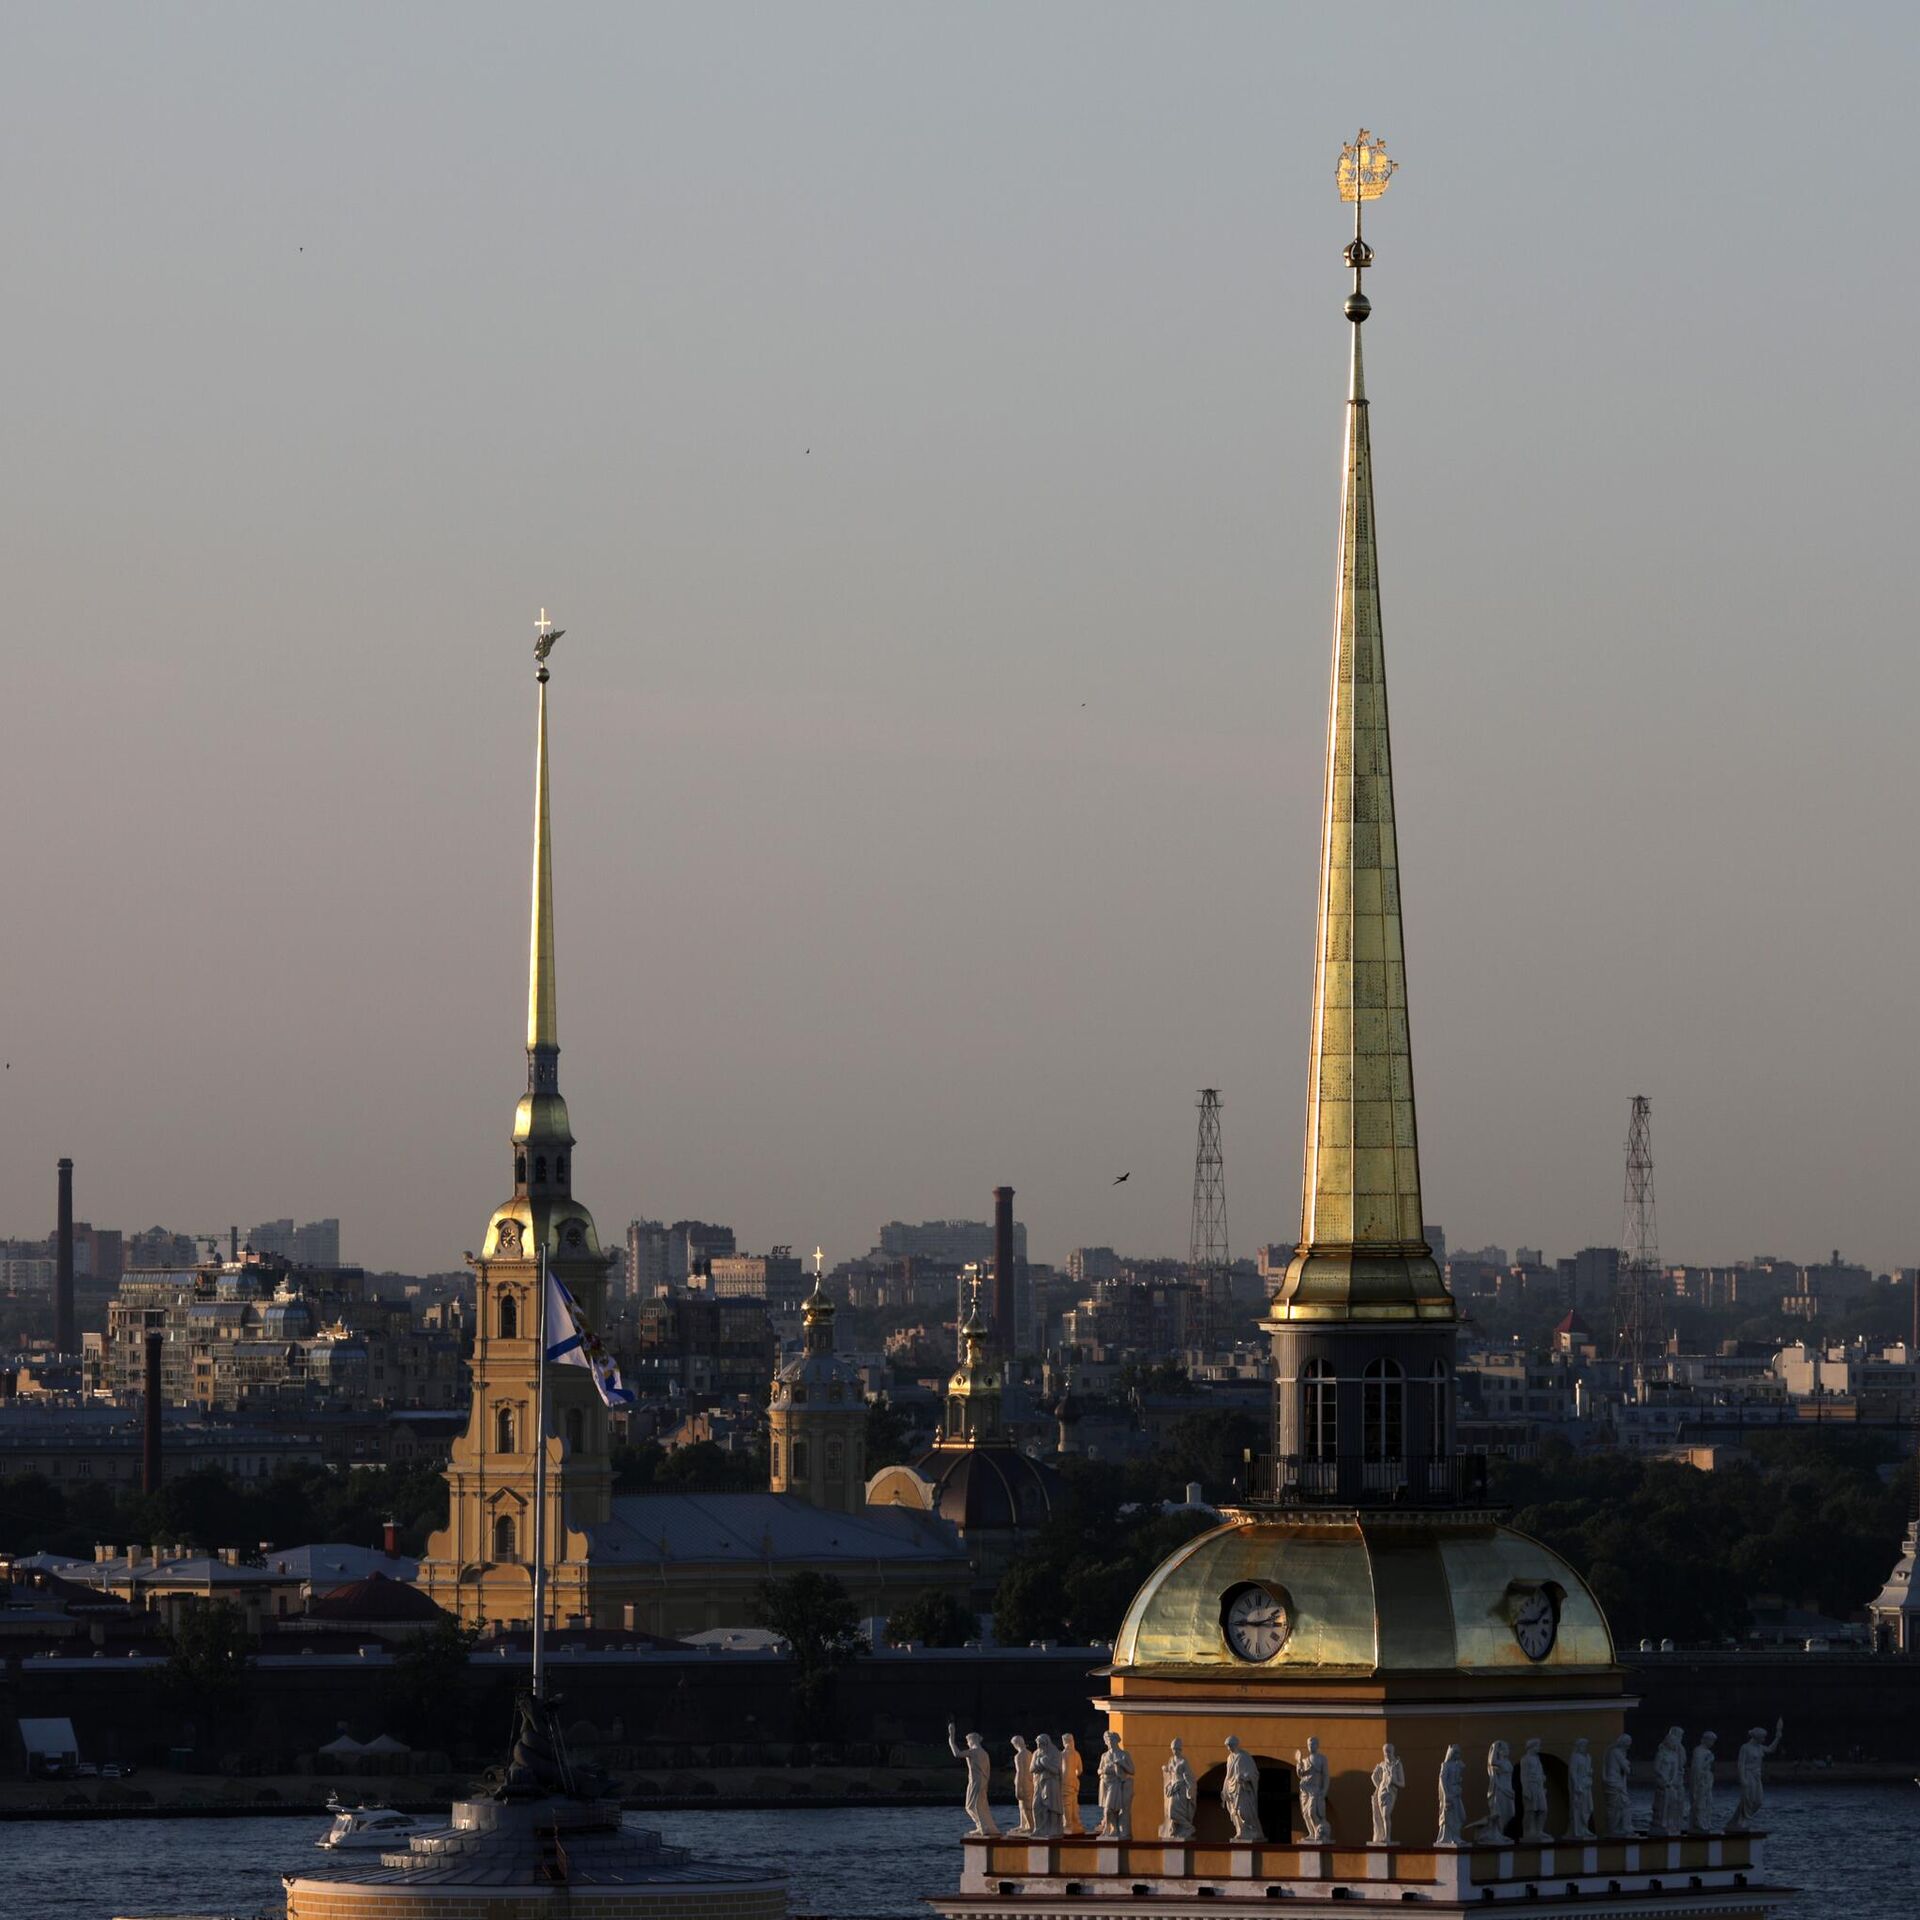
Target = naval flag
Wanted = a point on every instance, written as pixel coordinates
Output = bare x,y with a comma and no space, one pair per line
572,1343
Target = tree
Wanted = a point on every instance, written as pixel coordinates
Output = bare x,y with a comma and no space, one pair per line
815,1615
886,1434
427,1680
207,1669
934,1620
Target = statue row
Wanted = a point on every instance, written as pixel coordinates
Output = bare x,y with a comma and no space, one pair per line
1046,1787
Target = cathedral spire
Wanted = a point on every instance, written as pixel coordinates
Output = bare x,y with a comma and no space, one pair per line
1363,1253
541,1119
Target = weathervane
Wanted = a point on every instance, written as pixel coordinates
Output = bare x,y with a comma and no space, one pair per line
545,634
1363,174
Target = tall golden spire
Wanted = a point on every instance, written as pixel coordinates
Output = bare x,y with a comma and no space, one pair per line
542,1114
1363,1253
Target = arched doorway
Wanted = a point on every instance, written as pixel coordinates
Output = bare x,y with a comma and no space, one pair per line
1278,1801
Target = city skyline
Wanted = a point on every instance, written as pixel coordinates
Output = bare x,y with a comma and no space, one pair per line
862,910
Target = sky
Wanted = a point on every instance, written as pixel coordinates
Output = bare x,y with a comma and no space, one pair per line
925,423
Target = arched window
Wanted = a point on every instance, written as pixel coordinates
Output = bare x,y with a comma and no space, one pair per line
799,1459
1383,1409
503,1431
560,1169
503,1543
509,1317
576,1430
540,1171
776,1460
836,1460
519,1169
1437,1413
1319,1427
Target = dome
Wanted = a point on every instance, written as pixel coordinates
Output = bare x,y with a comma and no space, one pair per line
989,1486
1370,1595
818,1380
510,1234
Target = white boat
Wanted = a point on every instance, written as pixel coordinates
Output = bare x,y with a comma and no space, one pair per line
366,1829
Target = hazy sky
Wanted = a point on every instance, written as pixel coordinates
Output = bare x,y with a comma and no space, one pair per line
925,423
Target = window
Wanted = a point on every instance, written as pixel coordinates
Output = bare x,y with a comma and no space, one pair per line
503,1545
509,1317
540,1171
503,1431
560,1169
576,1430
1383,1406
799,1459
519,1169
1320,1424
776,1460
1437,1414
836,1460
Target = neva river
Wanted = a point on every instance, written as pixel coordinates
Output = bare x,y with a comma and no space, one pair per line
1854,1850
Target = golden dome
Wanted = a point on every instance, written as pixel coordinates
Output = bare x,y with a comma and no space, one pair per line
1370,1595
510,1233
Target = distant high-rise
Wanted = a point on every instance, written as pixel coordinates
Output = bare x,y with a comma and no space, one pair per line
951,1243
317,1244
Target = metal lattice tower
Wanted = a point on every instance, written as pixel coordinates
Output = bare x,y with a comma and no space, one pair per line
1640,1314
1207,1249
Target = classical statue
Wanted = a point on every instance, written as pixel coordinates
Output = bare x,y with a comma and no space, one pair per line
1023,1784
1310,1771
1580,1792
1616,1776
1700,1785
1240,1793
1116,1789
1070,1766
1453,1801
1499,1791
1388,1778
1176,1790
1533,1794
1753,1788
979,1782
1046,1787
1670,1783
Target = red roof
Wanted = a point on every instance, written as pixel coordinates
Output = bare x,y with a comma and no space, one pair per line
375,1598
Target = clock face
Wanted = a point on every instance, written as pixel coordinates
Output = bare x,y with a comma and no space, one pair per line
1535,1621
1256,1621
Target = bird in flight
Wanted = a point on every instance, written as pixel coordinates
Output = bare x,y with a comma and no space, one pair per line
1128,1175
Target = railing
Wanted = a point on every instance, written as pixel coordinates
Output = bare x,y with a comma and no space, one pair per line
1349,1480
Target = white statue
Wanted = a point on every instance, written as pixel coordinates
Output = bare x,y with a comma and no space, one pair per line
1388,1778
1670,1783
1700,1785
1240,1793
1046,1787
1176,1789
1453,1801
979,1782
1580,1792
1116,1790
1499,1791
1752,1759
1023,1784
1070,1766
1310,1772
1616,1776
1533,1794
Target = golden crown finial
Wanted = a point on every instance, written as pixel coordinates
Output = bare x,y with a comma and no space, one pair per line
1365,170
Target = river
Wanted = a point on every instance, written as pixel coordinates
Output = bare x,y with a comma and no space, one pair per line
1854,1849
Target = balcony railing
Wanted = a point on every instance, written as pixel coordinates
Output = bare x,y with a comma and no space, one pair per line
1349,1480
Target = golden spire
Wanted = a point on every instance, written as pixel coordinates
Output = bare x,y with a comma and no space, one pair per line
543,1025
1363,1253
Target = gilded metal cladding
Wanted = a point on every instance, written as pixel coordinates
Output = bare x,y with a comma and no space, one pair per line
543,1019
1364,1597
1363,1251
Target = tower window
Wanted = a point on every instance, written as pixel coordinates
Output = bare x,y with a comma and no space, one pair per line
509,1317
836,1460
776,1460
576,1431
799,1459
560,1169
540,1171
1383,1405
1437,1415
1320,1427
519,1169
503,1538
503,1431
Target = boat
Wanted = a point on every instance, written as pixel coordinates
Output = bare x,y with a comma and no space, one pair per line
366,1829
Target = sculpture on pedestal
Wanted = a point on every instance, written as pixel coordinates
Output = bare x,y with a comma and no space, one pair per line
1388,1778
1499,1792
1616,1775
1023,1784
1751,1762
1240,1793
979,1782
1670,1783
1070,1766
1453,1801
1046,1787
1533,1794
1310,1771
1580,1792
1116,1790
1700,1785
1177,1794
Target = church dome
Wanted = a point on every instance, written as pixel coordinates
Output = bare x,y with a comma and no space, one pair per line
1367,1596
989,1486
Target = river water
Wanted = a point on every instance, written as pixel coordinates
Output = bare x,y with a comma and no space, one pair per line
1854,1849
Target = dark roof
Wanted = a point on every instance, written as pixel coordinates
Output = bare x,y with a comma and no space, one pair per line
744,1529
375,1598
990,1486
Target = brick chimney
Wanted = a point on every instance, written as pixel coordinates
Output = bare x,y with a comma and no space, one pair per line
65,1340
1003,1330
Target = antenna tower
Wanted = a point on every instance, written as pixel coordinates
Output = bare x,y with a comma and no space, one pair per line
1640,1318
1207,1250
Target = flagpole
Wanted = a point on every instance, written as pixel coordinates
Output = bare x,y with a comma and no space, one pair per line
540,1491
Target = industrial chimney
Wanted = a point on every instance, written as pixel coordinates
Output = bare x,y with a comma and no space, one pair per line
65,1340
1003,1329
150,1448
